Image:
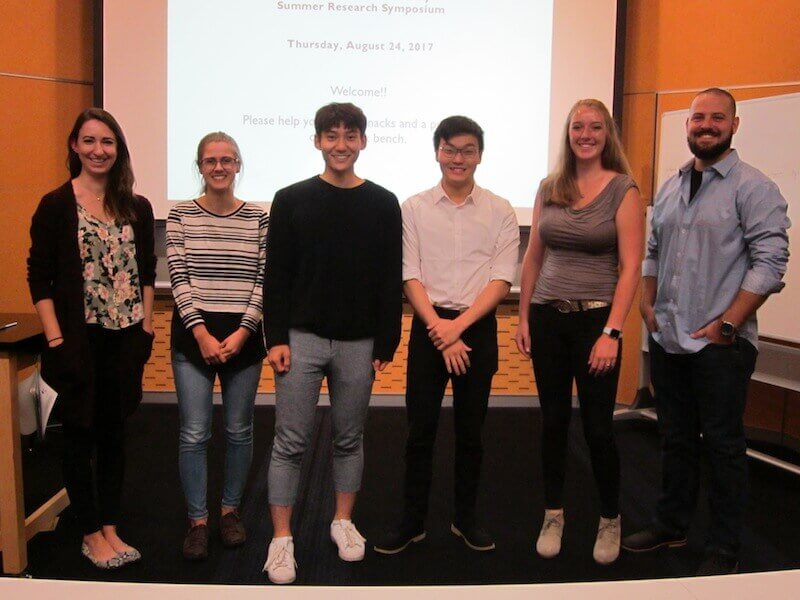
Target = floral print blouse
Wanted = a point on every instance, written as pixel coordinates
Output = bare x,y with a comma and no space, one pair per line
111,293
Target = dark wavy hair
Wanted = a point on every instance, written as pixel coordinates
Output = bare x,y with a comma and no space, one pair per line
340,113
119,197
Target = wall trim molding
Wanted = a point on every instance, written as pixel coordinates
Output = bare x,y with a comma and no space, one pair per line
46,78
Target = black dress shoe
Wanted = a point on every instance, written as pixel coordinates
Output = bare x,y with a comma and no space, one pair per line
474,537
398,540
718,564
652,539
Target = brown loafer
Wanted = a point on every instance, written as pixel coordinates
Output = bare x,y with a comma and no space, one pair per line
231,530
195,544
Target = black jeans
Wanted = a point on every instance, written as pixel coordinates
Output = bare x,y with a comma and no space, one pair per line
426,381
703,393
95,494
560,348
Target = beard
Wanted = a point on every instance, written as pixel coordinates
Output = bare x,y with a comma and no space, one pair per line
709,152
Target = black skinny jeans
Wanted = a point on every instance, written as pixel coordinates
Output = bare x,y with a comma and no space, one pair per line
560,348
95,494
426,381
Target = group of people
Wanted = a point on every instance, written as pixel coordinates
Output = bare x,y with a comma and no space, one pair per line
327,271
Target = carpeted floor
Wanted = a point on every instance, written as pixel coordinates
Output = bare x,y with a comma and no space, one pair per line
510,504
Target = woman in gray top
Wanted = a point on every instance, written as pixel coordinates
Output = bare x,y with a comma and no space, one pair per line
579,277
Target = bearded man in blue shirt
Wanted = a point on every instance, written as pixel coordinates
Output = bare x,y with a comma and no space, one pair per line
718,249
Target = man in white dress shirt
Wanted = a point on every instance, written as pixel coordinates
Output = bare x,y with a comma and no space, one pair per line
460,255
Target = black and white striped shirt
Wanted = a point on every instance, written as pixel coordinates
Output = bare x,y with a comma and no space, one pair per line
216,262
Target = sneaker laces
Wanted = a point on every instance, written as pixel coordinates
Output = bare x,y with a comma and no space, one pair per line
554,521
352,537
610,527
280,559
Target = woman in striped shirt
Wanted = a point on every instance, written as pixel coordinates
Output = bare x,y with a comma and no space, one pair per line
216,250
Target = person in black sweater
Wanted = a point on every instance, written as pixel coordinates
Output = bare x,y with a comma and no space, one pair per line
332,308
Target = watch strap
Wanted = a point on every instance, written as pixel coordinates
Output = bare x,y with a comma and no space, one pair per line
612,333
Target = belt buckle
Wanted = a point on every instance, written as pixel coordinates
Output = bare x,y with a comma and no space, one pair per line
565,306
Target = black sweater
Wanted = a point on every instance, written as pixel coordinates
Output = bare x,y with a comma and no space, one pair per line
334,264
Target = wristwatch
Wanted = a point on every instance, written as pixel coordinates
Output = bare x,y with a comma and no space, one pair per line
614,334
727,329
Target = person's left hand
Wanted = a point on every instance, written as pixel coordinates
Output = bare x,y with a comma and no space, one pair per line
712,333
444,333
379,365
603,356
232,345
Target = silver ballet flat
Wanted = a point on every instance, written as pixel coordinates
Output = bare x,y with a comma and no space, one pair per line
112,563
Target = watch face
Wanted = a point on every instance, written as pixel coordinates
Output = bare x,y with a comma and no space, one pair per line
727,329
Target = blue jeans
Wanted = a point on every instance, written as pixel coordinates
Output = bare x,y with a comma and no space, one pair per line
703,393
195,385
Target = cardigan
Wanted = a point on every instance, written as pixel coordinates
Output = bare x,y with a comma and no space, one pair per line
55,272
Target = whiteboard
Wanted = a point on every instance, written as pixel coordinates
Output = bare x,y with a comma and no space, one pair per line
767,138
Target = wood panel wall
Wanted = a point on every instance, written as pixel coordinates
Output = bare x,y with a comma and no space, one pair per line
45,81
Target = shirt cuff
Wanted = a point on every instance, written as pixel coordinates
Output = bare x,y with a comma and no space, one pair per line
412,274
649,267
249,323
761,284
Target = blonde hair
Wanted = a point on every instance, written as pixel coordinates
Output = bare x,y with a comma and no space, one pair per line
560,187
217,136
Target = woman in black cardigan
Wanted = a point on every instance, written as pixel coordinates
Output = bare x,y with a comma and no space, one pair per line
91,272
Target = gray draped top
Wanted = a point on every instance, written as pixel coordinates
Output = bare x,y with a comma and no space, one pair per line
580,260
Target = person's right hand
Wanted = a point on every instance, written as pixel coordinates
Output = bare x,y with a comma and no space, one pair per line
280,358
210,349
649,316
523,338
456,357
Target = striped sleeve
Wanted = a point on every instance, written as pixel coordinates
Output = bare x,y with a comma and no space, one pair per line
252,315
179,270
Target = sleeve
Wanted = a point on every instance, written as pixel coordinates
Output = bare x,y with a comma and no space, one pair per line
390,294
506,249
762,212
278,273
177,262
412,268
42,258
650,262
145,246
252,315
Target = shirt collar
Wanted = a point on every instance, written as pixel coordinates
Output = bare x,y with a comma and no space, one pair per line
722,167
475,196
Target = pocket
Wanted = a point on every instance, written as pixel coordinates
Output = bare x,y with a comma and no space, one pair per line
57,367
147,340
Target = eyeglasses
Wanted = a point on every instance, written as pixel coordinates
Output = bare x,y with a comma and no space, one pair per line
227,162
451,152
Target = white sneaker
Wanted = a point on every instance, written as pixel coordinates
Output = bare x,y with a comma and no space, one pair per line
549,543
349,541
606,548
280,565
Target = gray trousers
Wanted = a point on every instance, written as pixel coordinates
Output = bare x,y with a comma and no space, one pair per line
348,367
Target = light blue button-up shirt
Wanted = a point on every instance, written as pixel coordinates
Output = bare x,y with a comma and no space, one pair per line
731,236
